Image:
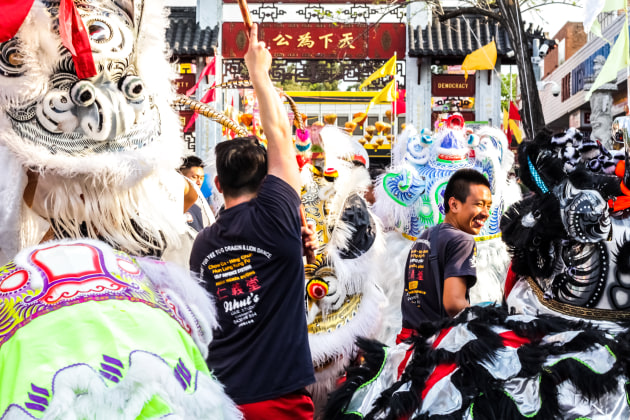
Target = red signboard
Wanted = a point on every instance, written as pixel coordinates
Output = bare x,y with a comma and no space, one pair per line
184,119
452,85
319,40
185,82
385,39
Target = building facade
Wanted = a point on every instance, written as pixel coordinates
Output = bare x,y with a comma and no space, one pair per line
570,39
574,75
346,41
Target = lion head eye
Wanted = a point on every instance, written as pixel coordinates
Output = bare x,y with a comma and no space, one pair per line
99,31
15,59
11,59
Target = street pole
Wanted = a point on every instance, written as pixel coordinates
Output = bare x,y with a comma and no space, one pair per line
209,13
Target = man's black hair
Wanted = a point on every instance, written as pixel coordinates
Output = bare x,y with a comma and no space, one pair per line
459,185
241,165
375,171
192,161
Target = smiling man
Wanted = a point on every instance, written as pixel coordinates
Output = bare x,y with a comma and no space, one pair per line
441,264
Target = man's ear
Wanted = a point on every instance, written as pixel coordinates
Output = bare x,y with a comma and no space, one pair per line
453,204
218,184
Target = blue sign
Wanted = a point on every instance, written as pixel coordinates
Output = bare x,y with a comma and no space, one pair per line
585,69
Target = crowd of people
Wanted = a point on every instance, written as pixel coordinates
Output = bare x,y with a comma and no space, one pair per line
251,260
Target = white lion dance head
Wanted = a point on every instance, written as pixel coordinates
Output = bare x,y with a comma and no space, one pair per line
410,196
97,118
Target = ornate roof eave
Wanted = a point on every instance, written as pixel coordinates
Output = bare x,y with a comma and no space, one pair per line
186,38
458,37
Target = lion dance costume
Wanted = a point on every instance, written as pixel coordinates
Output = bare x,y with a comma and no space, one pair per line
90,326
344,296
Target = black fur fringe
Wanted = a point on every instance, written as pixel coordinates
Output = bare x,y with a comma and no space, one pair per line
483,394
372,356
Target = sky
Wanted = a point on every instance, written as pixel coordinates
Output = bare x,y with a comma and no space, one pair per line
552,17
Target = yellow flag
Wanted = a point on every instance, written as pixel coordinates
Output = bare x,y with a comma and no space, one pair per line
387,69
516,131
385,96
482,59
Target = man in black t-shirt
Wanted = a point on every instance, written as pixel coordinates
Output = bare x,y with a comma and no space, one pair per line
434,290
251,262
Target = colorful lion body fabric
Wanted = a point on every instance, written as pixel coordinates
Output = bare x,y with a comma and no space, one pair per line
88,149
90,332
344,297
560,348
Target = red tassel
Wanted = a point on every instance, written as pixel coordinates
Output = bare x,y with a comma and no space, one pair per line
193,117
208,70
75,38
210,94
12,15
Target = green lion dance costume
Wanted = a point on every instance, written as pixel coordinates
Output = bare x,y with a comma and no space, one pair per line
90,325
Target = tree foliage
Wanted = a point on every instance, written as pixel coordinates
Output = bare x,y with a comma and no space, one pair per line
509,89
289,85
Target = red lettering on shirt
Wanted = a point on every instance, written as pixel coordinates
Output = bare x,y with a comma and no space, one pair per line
222,293
253,284
237,289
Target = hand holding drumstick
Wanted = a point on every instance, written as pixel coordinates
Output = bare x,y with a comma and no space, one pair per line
310,243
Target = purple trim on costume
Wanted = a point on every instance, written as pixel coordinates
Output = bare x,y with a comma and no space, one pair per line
182,375
38,399
108,376
113,361
111,369
196,382
68,367
183,372
148,352
39,390
133,261
180,380
32,406
8,270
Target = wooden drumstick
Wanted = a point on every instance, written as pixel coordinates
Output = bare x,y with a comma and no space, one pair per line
247,19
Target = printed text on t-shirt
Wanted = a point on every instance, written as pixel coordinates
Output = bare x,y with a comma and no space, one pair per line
235,280
415,274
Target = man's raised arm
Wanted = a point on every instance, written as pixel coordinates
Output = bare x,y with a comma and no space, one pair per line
275,122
